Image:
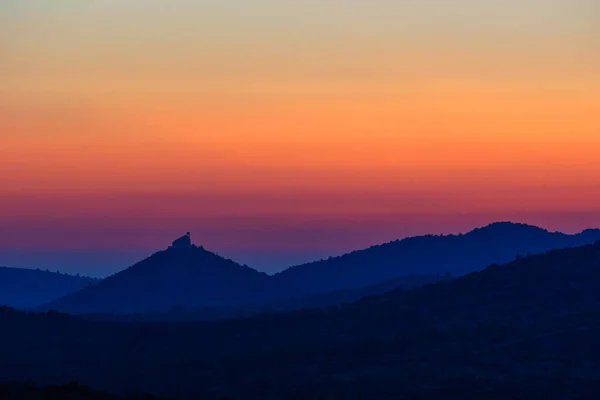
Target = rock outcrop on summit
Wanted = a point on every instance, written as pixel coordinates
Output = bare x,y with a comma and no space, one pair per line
184,242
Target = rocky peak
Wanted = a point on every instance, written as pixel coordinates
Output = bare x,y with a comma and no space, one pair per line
184,242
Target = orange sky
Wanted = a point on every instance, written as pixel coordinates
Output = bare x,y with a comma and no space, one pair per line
299,112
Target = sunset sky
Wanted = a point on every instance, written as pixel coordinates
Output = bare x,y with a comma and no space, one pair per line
282,131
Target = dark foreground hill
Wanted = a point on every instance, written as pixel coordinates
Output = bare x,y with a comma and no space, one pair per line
182,274
24,288
71,391
528,329
425,255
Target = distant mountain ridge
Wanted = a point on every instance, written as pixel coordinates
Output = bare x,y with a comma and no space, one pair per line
191,277
460,254
24,288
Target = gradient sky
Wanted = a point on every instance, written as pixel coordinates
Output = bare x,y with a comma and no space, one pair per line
280,131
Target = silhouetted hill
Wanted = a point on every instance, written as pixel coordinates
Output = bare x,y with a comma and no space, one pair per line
24,288
528,329
338,297
422,255
190,278
182,274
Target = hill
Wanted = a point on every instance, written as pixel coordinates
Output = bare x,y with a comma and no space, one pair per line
344,296
186,277
25,288
71,391
527,329
182,274
423,255
181,313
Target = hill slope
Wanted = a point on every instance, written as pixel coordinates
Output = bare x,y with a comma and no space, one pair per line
71,391
321,300
182,274
528,329
422,255
24,288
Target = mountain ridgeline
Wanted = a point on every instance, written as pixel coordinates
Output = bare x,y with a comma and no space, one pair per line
188,276
25,288
527,329
456,254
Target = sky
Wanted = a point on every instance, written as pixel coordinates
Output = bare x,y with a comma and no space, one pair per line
280,132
